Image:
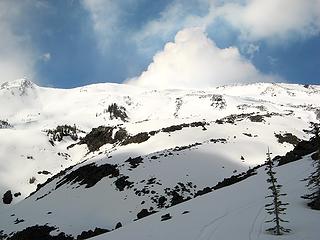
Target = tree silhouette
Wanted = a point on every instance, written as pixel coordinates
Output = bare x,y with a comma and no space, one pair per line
313,180
276,207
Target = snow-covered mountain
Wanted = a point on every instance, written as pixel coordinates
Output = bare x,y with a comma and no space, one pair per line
105,155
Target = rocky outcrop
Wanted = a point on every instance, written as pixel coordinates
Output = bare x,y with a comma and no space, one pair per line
122,183
90,233
89,175
5,124
138,138
7,197
144,212
117,112
39,233
62,131
102,135
301,149
287,138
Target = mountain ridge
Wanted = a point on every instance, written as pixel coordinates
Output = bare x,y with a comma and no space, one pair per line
140,151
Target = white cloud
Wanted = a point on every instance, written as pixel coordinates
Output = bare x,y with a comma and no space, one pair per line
194,61
17,57
174,17
276,21
273,19
46,57
106,17
255,19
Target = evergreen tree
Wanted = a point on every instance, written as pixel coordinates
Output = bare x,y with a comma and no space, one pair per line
276,207
313,180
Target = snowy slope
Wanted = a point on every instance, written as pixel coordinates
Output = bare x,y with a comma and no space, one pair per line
189,141
234,212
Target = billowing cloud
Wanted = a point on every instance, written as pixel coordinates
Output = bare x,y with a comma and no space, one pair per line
17,58
194,61
245,23
273,19
254,19
176,16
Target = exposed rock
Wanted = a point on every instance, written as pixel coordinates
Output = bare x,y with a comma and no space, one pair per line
236,178
32,180
20,86
178,106
161,201
39,233
103,135
144,212
5,124
17,194
98,137
176,198
316,156
119,225
301,149
186,147
203,191
315,204
44,172
7,197
120,135
90,233
217,101
62,131
317,112
90,174
116,112
166,217
253,117
174,128
17,221
138,138
247,134
135,162
40,185
2,235
256,118
218,140
287,138
152,181
122,183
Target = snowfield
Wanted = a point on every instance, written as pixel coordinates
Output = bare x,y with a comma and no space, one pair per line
234,212
104,154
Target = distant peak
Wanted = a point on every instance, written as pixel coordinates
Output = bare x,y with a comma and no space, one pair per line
22,85
23,82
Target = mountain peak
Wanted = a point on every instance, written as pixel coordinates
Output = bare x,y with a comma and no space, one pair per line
23,82
21,85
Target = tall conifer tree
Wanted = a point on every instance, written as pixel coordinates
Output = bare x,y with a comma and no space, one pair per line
276,207
313,180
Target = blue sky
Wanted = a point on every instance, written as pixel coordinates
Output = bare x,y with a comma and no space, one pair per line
70,43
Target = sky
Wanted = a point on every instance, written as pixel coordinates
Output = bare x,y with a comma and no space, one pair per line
160,43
